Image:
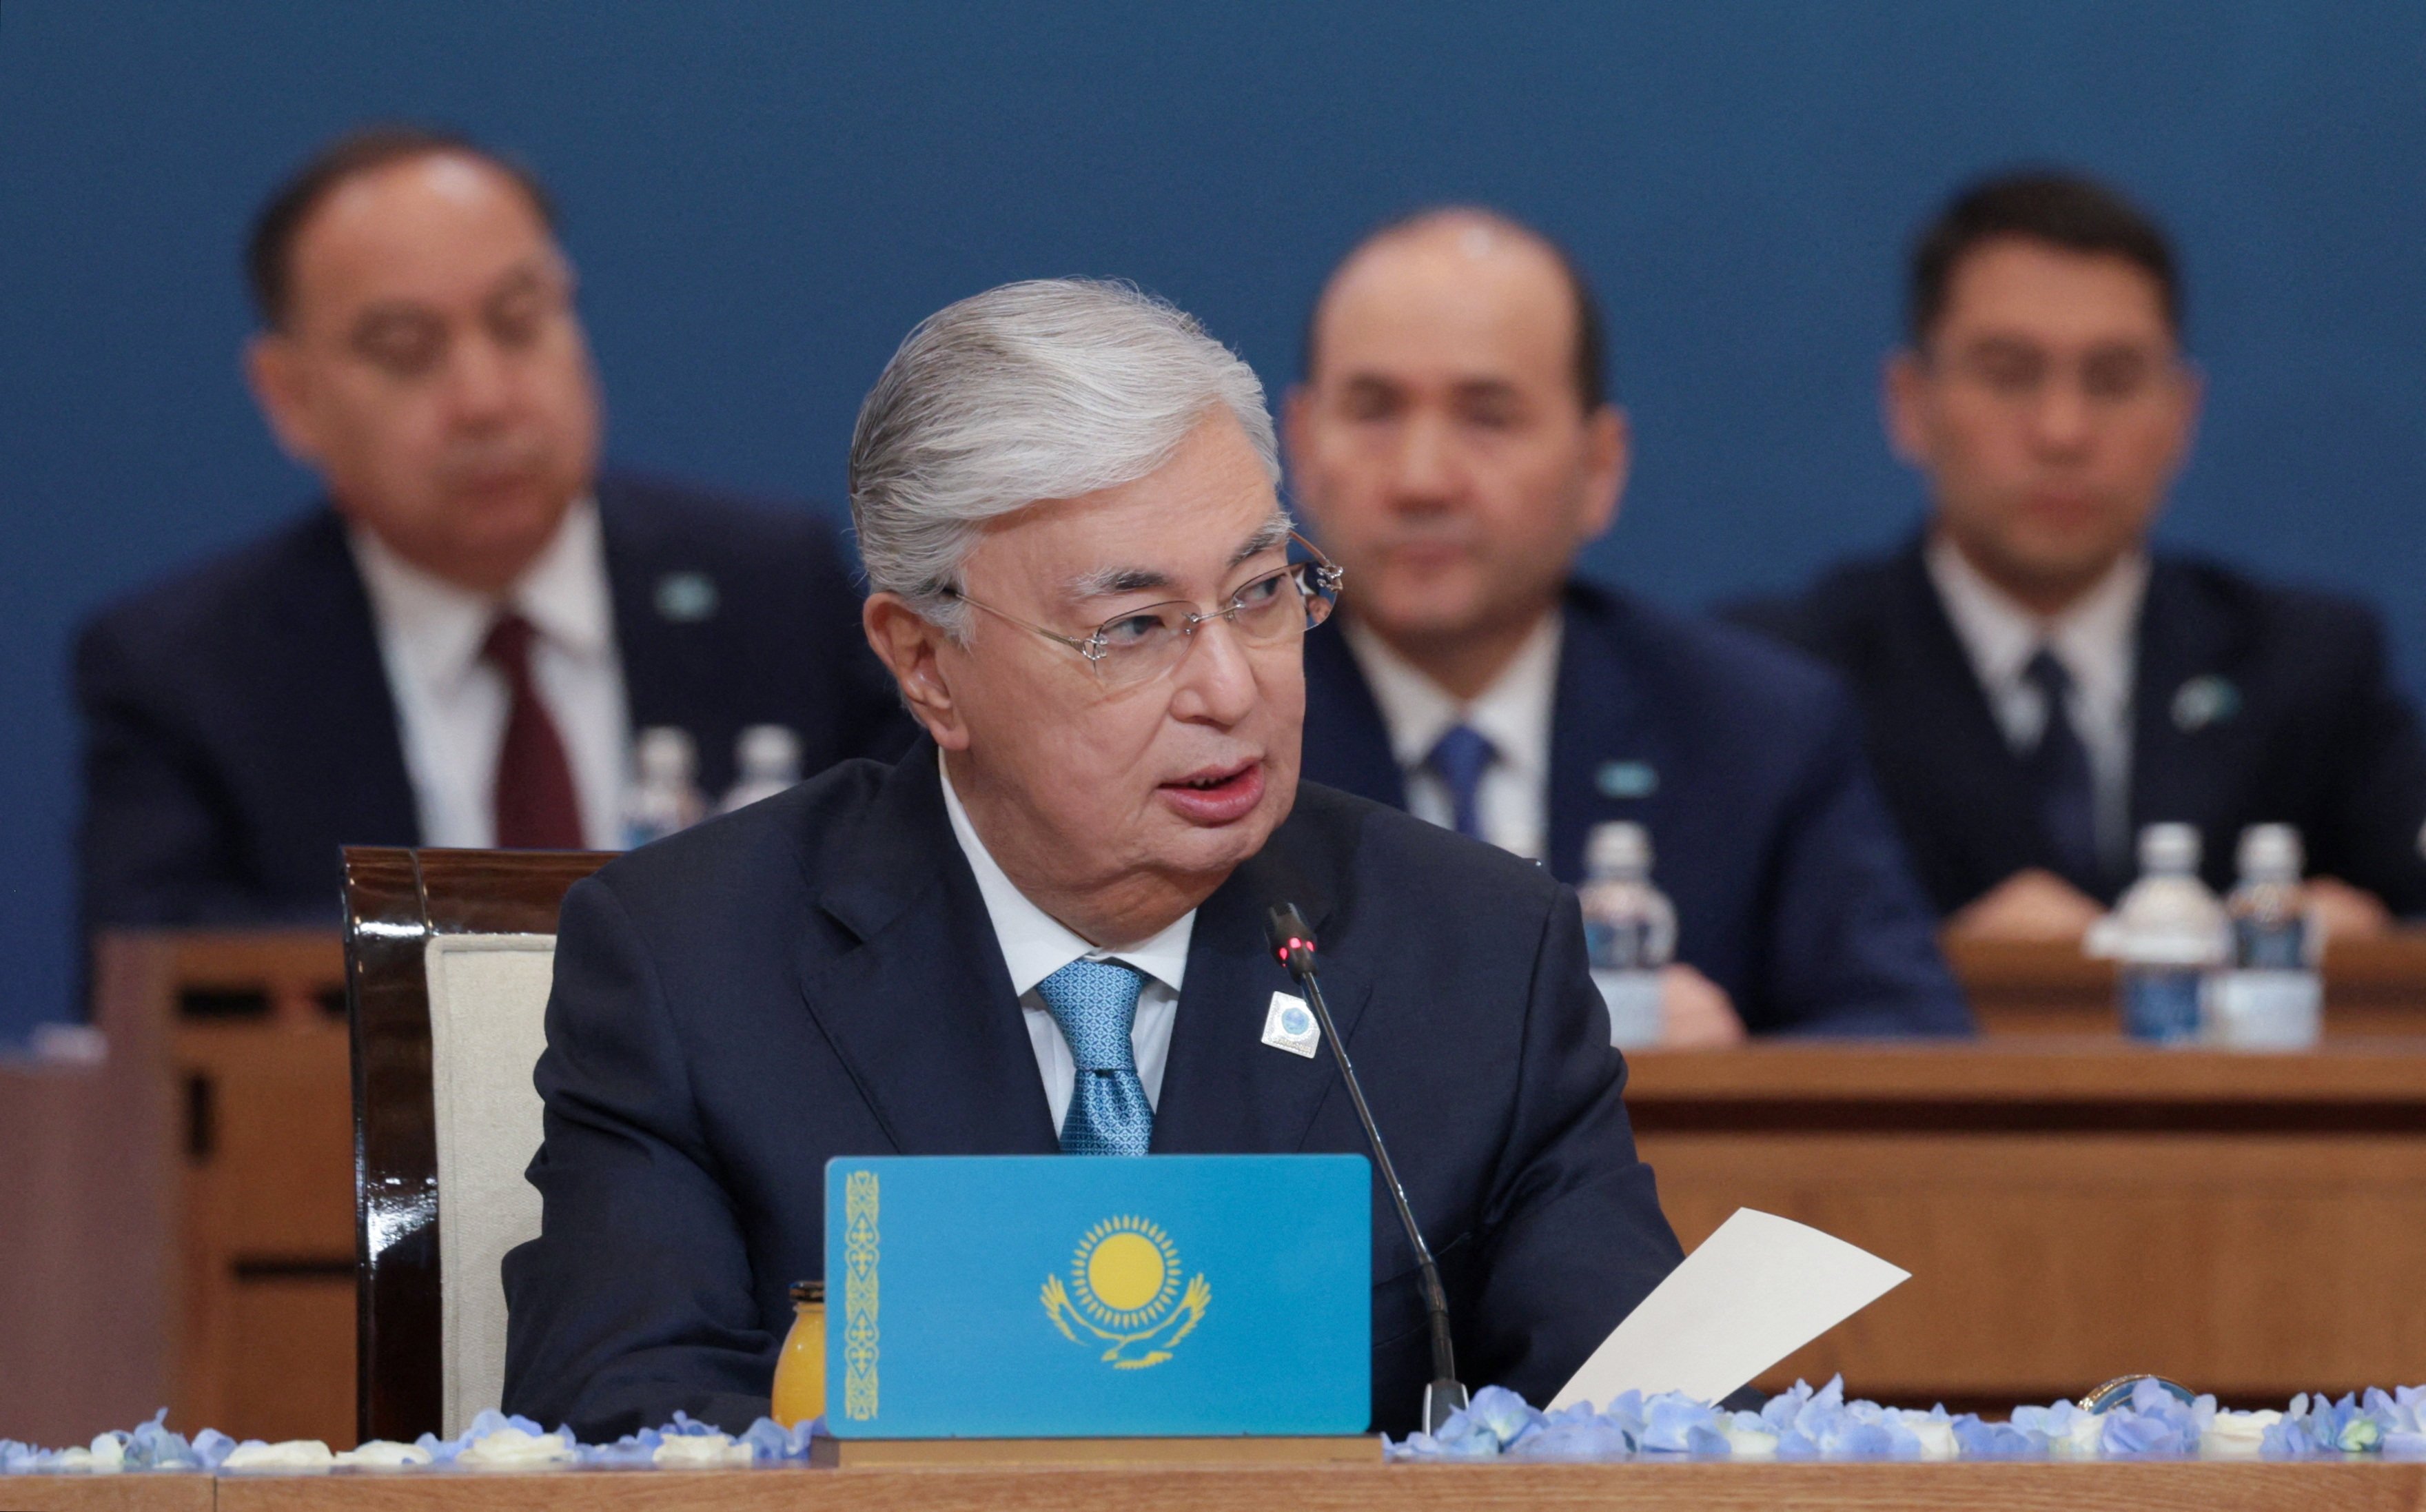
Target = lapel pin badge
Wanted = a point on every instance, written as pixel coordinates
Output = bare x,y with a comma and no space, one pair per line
2205,701
685,598
1290,1026
1626,779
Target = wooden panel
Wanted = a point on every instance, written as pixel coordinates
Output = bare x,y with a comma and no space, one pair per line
107,1494
87,1174
2372,986
292,1376
1630,1487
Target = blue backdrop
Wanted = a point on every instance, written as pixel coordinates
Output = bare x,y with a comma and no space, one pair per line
763,197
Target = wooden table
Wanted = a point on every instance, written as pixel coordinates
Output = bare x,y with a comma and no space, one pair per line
1630,1487
2075,1209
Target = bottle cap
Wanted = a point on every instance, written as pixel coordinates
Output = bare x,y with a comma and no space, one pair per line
2271,853
814,1292
2169,849
664,755
1618,848
770,752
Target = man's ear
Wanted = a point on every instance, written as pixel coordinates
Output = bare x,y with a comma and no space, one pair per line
1901,402
911,646
281,387
1608,459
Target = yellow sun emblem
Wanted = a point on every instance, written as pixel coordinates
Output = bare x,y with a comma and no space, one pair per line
1123,1290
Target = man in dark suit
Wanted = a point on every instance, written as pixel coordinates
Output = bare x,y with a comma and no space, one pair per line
2036,682
455,645
1042,928
1453,443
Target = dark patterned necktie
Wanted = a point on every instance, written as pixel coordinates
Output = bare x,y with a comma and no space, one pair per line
1460,757
2062,785
535,803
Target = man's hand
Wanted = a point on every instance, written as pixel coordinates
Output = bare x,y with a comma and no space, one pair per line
1694,1013
2347,912
2031,905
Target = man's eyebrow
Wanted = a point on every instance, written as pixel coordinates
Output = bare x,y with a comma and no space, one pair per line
1272,535
1110,581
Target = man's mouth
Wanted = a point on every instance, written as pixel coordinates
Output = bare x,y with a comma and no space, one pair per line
1217,795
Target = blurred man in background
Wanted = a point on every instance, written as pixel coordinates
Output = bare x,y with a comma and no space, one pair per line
2037,682
455,646
1454,444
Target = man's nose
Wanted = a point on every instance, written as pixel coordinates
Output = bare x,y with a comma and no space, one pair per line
480,382
1216,680
1425,470
2063,421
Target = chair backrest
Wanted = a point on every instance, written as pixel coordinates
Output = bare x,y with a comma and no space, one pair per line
447,965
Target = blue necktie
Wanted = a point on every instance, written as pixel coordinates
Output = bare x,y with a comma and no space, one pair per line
1460,757
2064,793
1096,1004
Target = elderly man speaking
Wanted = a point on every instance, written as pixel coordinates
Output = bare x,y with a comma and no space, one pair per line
1042,928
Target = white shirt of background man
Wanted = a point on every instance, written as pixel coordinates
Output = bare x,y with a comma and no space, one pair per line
451,706
1513,800
1035,945
2096,640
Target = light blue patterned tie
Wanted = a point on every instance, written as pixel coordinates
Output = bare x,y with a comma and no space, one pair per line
1096,1004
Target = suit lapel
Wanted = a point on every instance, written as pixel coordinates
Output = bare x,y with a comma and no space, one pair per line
1223,1089
922,1011
2183,704
1606,755
355,750
1347,745
1961,753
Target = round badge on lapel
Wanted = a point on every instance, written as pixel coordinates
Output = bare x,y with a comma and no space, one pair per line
1626,779
2205,701
685,598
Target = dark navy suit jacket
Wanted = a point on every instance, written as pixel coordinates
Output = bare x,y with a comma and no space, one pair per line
2254,704
239,727
816,975
1745,765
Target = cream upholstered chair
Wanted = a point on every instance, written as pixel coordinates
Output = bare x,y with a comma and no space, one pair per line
448,961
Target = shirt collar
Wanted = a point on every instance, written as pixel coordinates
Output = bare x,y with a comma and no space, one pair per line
2094,638
564,594
1514,713
1034,943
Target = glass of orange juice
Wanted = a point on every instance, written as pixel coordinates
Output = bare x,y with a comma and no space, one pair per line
800,1369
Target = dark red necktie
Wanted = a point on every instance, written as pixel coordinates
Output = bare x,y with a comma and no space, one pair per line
536,807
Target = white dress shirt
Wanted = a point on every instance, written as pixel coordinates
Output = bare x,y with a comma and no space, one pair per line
1513,713
1035,945
2096,640
451,706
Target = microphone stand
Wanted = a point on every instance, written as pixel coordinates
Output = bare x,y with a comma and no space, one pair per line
1293,942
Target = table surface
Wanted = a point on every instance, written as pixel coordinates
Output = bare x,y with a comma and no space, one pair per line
2374,1486
2375,1070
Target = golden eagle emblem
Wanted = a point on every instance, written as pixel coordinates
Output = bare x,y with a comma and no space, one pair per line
1123,1292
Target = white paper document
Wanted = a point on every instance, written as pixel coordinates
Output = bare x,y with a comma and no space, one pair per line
1757,1290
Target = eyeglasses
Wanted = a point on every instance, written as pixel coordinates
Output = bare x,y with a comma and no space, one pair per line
1142,644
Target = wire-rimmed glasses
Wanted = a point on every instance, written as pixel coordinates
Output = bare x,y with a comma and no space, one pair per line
1138,645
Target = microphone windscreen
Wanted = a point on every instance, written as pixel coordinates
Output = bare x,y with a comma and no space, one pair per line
1283,925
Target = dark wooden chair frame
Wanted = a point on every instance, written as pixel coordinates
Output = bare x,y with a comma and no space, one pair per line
395,899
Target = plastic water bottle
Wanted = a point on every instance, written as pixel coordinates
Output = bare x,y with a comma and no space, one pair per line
769,760
665,791
1629,928
2271,998
2167,934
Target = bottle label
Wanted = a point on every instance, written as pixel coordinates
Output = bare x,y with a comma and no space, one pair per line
2272,946
2264,1010
1633,999
2160,1004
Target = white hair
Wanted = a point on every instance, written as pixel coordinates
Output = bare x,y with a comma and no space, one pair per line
1042,390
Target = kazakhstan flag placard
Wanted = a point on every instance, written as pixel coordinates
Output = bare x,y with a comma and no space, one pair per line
1070,1295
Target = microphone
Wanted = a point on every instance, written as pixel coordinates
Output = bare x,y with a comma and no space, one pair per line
1286,929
